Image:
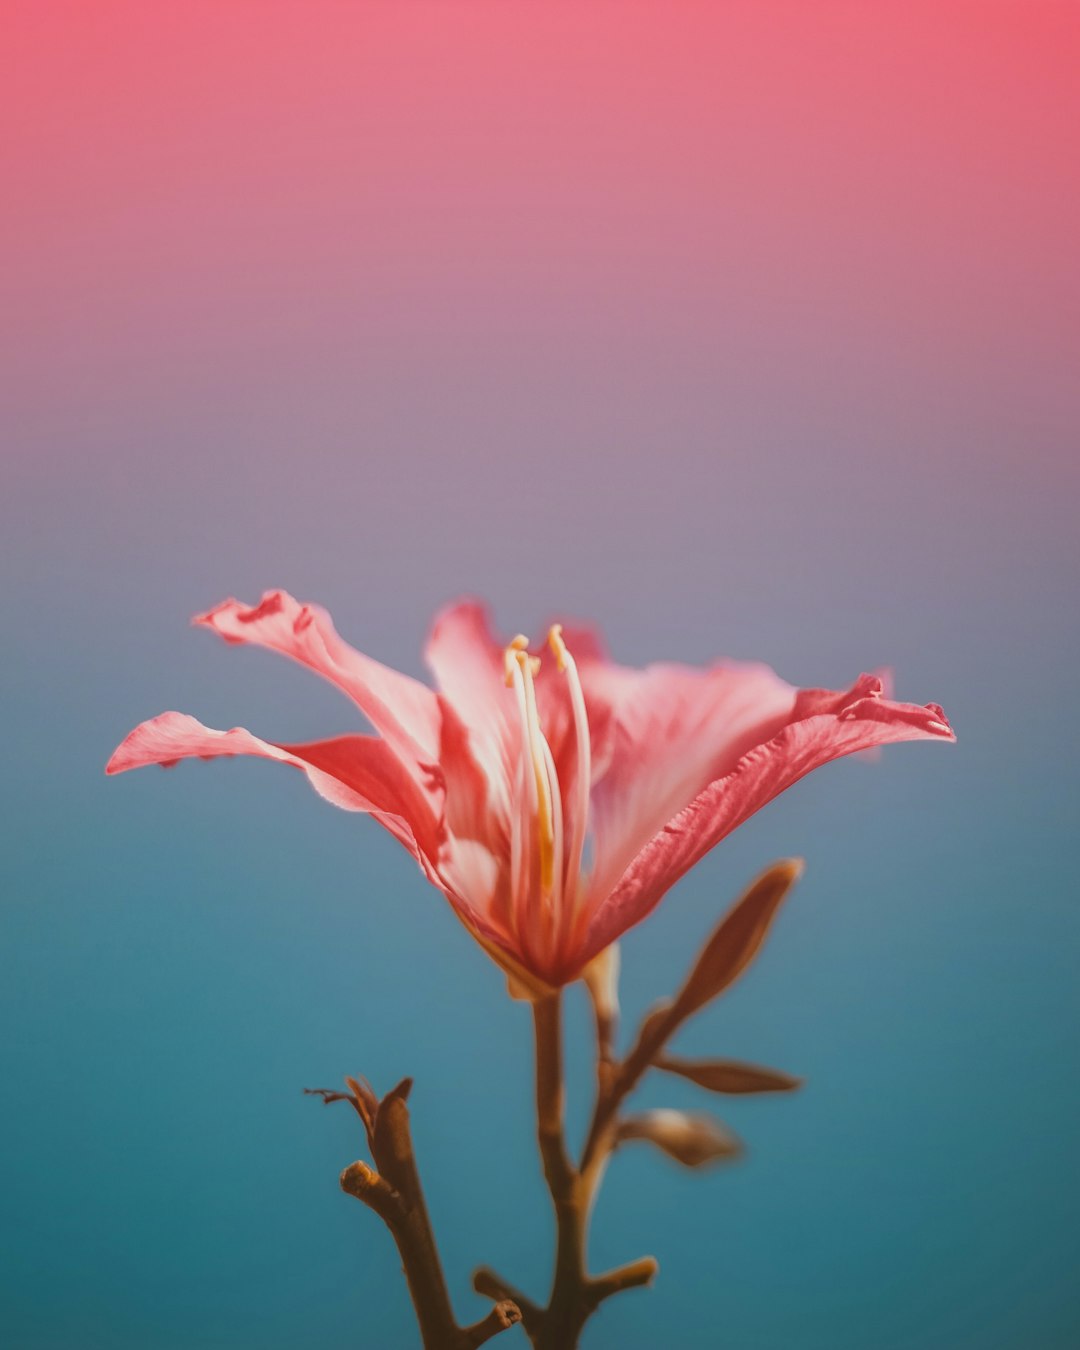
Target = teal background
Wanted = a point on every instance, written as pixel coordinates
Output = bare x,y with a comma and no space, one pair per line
751,335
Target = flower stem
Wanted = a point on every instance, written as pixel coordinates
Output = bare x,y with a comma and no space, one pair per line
575,1294
566,1311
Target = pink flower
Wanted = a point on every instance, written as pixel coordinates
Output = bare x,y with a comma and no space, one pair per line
552,798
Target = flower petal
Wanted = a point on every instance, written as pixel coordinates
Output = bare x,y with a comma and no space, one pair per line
664,733
402,710
467,661
357,773
823,726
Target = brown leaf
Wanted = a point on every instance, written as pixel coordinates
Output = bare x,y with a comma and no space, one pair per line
402,1090
738,938
367,1104
728,1075
690,1138
391,1140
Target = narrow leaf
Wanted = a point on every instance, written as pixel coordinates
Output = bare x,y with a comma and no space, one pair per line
690,1138
366,1102
738,938
728,1075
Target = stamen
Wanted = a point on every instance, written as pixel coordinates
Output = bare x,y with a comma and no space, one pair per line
537,747
556,883
519,876
558,646
543,791
525,806
513,655
568,666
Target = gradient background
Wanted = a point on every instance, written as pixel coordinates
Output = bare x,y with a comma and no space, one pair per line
746,329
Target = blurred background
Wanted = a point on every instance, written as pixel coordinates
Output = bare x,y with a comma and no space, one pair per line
745,329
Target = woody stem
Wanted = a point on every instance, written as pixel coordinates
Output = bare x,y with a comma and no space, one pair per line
617,1081
568,1307
575,1294
395,1194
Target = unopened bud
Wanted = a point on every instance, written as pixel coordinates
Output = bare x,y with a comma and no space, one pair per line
691,1139
738,938
601,976
729,1075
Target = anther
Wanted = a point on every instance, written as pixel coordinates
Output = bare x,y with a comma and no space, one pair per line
516,652
558,646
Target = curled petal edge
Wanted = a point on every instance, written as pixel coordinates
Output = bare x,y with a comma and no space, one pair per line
862,720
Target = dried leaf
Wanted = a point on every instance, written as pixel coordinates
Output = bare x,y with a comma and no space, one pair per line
690,1138
402,1090
367,1104
728,1075
360,1097
738,938
329,1095
391,1139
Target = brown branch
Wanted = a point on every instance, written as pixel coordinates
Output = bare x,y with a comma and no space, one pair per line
566,1311
395,1194
503,1316
365,1184
550,1093
492,1285
633,1275
655,1031
574,1294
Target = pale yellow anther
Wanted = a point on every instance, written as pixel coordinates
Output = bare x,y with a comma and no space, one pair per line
516,650
557,645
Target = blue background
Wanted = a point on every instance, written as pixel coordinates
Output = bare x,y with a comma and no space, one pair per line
816,420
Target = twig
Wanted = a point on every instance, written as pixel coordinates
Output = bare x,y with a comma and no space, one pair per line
504,1315
395,1194
492,1285
633,1275
655,1032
